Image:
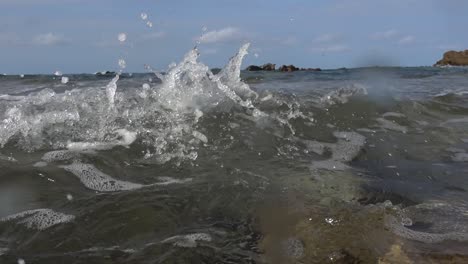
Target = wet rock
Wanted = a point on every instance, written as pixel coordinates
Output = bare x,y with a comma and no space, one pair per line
288,68
454,58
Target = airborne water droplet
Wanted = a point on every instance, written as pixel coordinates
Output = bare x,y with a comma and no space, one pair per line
144,16
122,37
149,24
122,63
146,86
65,80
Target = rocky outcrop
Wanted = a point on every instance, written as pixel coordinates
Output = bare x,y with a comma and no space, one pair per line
264,67
284,68
269,67
254,68
288,68
454,58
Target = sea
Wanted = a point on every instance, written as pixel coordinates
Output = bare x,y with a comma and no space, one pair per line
194,165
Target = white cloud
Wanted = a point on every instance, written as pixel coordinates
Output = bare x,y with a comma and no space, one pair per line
222,35
406,40
332,48
385,35
49,39
329,43
327,38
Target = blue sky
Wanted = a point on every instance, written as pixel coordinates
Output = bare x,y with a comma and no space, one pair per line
74,36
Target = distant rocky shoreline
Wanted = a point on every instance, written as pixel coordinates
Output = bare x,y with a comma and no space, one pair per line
283,68
454,58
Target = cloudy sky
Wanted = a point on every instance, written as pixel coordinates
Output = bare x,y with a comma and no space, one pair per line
74,36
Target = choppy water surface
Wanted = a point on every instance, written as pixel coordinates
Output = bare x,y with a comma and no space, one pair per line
338,166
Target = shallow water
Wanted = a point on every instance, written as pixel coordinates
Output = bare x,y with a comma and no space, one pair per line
337,166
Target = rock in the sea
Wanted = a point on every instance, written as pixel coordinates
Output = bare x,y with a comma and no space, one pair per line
288,68
105,73
254,68
311,69
454,58
269,67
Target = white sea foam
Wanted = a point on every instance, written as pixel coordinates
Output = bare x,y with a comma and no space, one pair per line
59,155
170,180
460,157
96,180
347,147
188,241
399,229
393,114
342,95
39,218
64,80
127,138
391,125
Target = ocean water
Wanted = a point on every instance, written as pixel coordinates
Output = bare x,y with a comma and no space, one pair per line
199,166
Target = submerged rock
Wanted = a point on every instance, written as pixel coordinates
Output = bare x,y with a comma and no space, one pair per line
454,58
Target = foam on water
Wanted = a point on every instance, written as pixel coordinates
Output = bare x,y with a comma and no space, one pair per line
170,180
40,219
127,138
188,241
342,95
391,125
347,147
96,180
460,157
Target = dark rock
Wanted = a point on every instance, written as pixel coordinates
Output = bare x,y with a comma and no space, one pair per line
253,68
288,68
269,67
311,69
105,73
454,58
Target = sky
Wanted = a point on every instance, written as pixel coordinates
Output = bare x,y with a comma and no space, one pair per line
82,36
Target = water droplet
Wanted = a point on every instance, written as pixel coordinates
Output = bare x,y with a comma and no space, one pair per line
21,261
122,37
122,63
58,73
69,197
204,28
256,55
146,86
144,16
65,80
149,24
